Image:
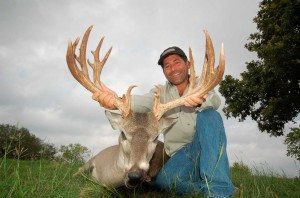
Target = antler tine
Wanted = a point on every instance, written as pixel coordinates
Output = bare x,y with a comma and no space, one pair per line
219,71
104,61
209,60
156,103
82,50
210,78
209,54
124,103
98,65
159,109
192,78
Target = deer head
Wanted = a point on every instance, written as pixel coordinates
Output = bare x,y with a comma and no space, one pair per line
139,131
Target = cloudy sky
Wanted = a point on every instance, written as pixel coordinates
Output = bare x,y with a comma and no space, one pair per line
39,93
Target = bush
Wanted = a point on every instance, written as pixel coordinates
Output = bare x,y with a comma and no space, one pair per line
19,143
240,168
73,153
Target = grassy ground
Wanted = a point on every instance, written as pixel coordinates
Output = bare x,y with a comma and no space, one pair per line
52,179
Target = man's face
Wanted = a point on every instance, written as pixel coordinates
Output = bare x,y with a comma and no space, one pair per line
175,69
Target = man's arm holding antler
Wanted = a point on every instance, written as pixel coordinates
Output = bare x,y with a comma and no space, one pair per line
105,97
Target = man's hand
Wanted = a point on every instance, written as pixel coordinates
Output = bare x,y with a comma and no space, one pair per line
105,97
195,101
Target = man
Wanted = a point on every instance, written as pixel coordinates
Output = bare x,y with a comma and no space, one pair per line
196,142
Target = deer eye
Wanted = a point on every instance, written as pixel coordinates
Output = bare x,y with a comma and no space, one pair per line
123,136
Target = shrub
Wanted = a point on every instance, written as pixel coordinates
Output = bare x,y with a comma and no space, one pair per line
73,153
241,168
19,143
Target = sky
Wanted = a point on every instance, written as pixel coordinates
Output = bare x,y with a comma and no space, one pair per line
39,93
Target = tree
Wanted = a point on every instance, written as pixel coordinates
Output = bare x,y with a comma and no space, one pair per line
49,151
19,143
268,91
293,142
73,153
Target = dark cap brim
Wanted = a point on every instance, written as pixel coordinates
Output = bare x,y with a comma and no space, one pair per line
169,51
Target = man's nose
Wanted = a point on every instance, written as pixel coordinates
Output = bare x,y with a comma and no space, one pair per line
172,67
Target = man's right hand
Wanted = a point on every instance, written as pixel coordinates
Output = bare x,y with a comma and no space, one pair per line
106,97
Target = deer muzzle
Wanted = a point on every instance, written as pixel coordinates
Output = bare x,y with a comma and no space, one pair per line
136,176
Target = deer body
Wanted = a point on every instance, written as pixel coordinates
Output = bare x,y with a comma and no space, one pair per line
139,155
107,172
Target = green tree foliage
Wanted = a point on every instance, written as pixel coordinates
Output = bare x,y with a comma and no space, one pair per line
48,151
269,90
19,143
73,153
293,142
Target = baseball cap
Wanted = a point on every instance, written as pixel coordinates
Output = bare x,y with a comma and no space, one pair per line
169,51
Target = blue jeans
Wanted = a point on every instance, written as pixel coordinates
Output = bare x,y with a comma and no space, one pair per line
202,165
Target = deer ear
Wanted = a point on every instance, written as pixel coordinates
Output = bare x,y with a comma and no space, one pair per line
165,123
115,119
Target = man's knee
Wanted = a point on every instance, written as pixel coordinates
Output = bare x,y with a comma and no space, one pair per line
210,125
209,115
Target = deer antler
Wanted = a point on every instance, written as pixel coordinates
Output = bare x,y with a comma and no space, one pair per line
210,77
82,75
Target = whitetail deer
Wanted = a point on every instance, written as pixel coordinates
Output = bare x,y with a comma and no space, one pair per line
128,162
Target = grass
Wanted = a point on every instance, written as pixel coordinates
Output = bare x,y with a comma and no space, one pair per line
37,179
262,183
52,179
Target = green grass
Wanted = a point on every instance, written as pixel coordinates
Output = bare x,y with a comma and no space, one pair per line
52,179
37,179
263,183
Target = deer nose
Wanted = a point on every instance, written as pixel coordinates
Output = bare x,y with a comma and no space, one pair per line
135,175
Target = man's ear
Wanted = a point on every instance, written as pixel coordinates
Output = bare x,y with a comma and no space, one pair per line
188,64
165,123
115,119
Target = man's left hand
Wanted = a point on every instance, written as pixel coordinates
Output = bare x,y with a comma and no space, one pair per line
195,101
